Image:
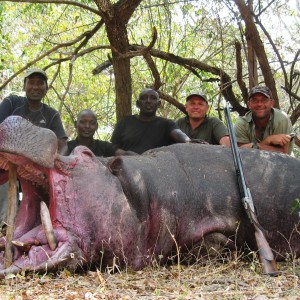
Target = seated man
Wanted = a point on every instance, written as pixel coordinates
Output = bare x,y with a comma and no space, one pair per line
264,127
145,131
197,125
86,126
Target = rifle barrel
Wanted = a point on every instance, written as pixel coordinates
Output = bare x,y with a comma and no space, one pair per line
264,251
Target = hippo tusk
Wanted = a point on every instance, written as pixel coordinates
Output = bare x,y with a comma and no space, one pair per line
47,226
25,247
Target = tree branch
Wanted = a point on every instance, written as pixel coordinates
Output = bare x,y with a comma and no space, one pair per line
172,101
239,75
42,56
257,44
67,2
194,63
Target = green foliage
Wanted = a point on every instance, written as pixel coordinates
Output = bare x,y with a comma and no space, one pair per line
202,30
295,205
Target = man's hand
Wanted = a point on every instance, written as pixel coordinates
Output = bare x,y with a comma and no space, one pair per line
277,140
197,141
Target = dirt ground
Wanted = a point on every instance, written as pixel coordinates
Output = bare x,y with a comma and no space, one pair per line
233,280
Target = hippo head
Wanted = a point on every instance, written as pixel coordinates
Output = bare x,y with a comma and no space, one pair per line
65,217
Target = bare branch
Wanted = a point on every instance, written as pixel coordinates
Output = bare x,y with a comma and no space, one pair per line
44,55
142,51
73,3
239,67
254,38
194,63
102,67
295,114
172,101
68,86
88,36
153,68
275,50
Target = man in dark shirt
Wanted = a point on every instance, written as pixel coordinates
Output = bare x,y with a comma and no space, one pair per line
86,126
145,131
32,109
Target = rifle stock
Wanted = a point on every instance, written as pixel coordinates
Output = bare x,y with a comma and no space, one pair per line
265,253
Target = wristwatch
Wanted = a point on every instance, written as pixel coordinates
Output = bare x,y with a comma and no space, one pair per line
254,145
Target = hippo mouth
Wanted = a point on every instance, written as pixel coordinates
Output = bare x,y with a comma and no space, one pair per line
40,240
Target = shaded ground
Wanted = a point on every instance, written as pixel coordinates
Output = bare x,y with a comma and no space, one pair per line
234,280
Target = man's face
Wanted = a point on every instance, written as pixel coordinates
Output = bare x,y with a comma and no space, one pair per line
35,87
260,105
86,125
196,108
148,102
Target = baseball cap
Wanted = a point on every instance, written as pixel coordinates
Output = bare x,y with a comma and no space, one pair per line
199,94
262,90
35,71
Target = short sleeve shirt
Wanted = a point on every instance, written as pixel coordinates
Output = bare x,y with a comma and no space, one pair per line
99,148
211,130
136,135
45,117
279,123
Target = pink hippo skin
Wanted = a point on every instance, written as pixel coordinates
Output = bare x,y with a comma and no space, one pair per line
129,211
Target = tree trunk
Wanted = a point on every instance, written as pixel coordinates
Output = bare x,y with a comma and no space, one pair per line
117,36
252,63
257,44
116,17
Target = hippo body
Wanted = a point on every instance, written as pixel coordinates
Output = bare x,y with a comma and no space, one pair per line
131,210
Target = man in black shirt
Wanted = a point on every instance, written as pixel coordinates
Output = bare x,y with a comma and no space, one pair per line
86,126
145,131
32,108
38,113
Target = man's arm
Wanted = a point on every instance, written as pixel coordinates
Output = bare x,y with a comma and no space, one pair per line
276,142
225,141
5,109
120,152
116,135
62,148
179,136
58,128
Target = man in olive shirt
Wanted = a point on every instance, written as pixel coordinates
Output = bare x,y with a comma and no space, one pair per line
198,125
264,127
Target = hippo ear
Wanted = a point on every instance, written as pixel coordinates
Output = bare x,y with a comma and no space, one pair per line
115,165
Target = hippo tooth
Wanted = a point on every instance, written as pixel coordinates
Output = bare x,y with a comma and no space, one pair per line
47,226
25,247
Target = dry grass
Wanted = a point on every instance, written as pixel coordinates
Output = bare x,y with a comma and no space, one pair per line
236,279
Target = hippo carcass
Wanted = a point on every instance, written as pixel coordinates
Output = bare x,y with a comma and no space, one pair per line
131,210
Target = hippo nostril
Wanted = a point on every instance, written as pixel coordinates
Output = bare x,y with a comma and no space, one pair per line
47,226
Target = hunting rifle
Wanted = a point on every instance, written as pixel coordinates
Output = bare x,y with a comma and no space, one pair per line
264,251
